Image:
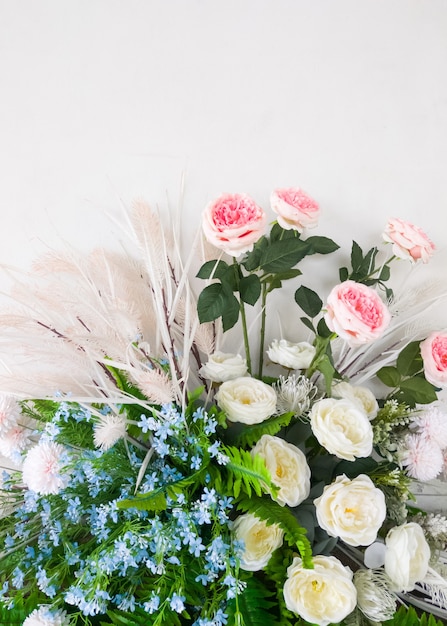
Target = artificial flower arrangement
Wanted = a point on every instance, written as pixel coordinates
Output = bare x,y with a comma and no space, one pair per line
155,478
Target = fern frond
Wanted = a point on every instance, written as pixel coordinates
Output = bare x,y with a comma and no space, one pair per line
247,473
407,616
251,434
273,513
251,607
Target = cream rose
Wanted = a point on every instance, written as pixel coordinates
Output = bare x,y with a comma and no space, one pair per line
233,223
362,396
409,241
246,400
342,428
288,468
407,556
294,356
223,366
322,595
295,209
434,357
260,540
353,510
356,313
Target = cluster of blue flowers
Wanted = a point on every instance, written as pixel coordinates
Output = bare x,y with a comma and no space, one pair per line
85,549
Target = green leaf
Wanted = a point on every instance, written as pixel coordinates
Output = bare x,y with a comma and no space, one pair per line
251,607
213,269
308,300
409,361
211,303
343,274
321,245
308,323
323,330
389,376
356,256
230,314
246,472
251,434
283,255
252,259
250,289
416,390
275,281
278,233
385,273
325,366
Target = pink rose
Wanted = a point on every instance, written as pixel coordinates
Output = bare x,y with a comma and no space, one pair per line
356,313
233,223
409,241
434,357
295,209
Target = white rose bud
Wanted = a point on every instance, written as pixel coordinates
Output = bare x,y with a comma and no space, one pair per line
294,356
353,510
223,366
260,540
363,396
407,556
322,595
342,428
246,400
288,468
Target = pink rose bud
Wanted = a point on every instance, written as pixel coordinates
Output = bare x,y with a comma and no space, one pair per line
434,357
409,241
295,209
356,313
233,223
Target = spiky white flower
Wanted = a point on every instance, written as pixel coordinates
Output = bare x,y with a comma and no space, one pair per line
43,616
422,457
431,424
9,413
374,599
108,430
294,393
42,468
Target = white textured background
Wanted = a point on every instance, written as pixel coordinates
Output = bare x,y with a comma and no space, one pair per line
109,99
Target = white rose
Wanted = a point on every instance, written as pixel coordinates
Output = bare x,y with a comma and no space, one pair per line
246,400
322,595
222,366
357,394
294,356
260,540
288,468
353,510
407,556
342,428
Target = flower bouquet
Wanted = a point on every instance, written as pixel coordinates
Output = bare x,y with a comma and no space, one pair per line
154,477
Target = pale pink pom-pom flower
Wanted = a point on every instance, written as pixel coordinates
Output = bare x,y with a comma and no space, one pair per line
9,413
422,458
432,425
42,468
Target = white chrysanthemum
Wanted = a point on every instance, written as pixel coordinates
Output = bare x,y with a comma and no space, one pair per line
422,457
432,424
14,441
9,413
294,393
108,430
42,468
374,599
44,616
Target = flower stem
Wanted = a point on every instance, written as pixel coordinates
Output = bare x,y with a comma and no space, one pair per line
262,339
245,333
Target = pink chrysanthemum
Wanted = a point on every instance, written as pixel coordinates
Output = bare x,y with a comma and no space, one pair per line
14,441
108,430
432,425
422,457
42,468
9,413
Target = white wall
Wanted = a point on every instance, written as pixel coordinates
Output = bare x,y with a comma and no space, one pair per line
109,99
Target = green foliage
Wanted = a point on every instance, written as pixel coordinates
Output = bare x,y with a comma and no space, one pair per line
14,616
251,434
273,513
364,270
251,608
247,473
308,300
407,616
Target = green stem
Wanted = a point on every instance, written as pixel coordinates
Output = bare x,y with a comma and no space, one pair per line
245,333
262,339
